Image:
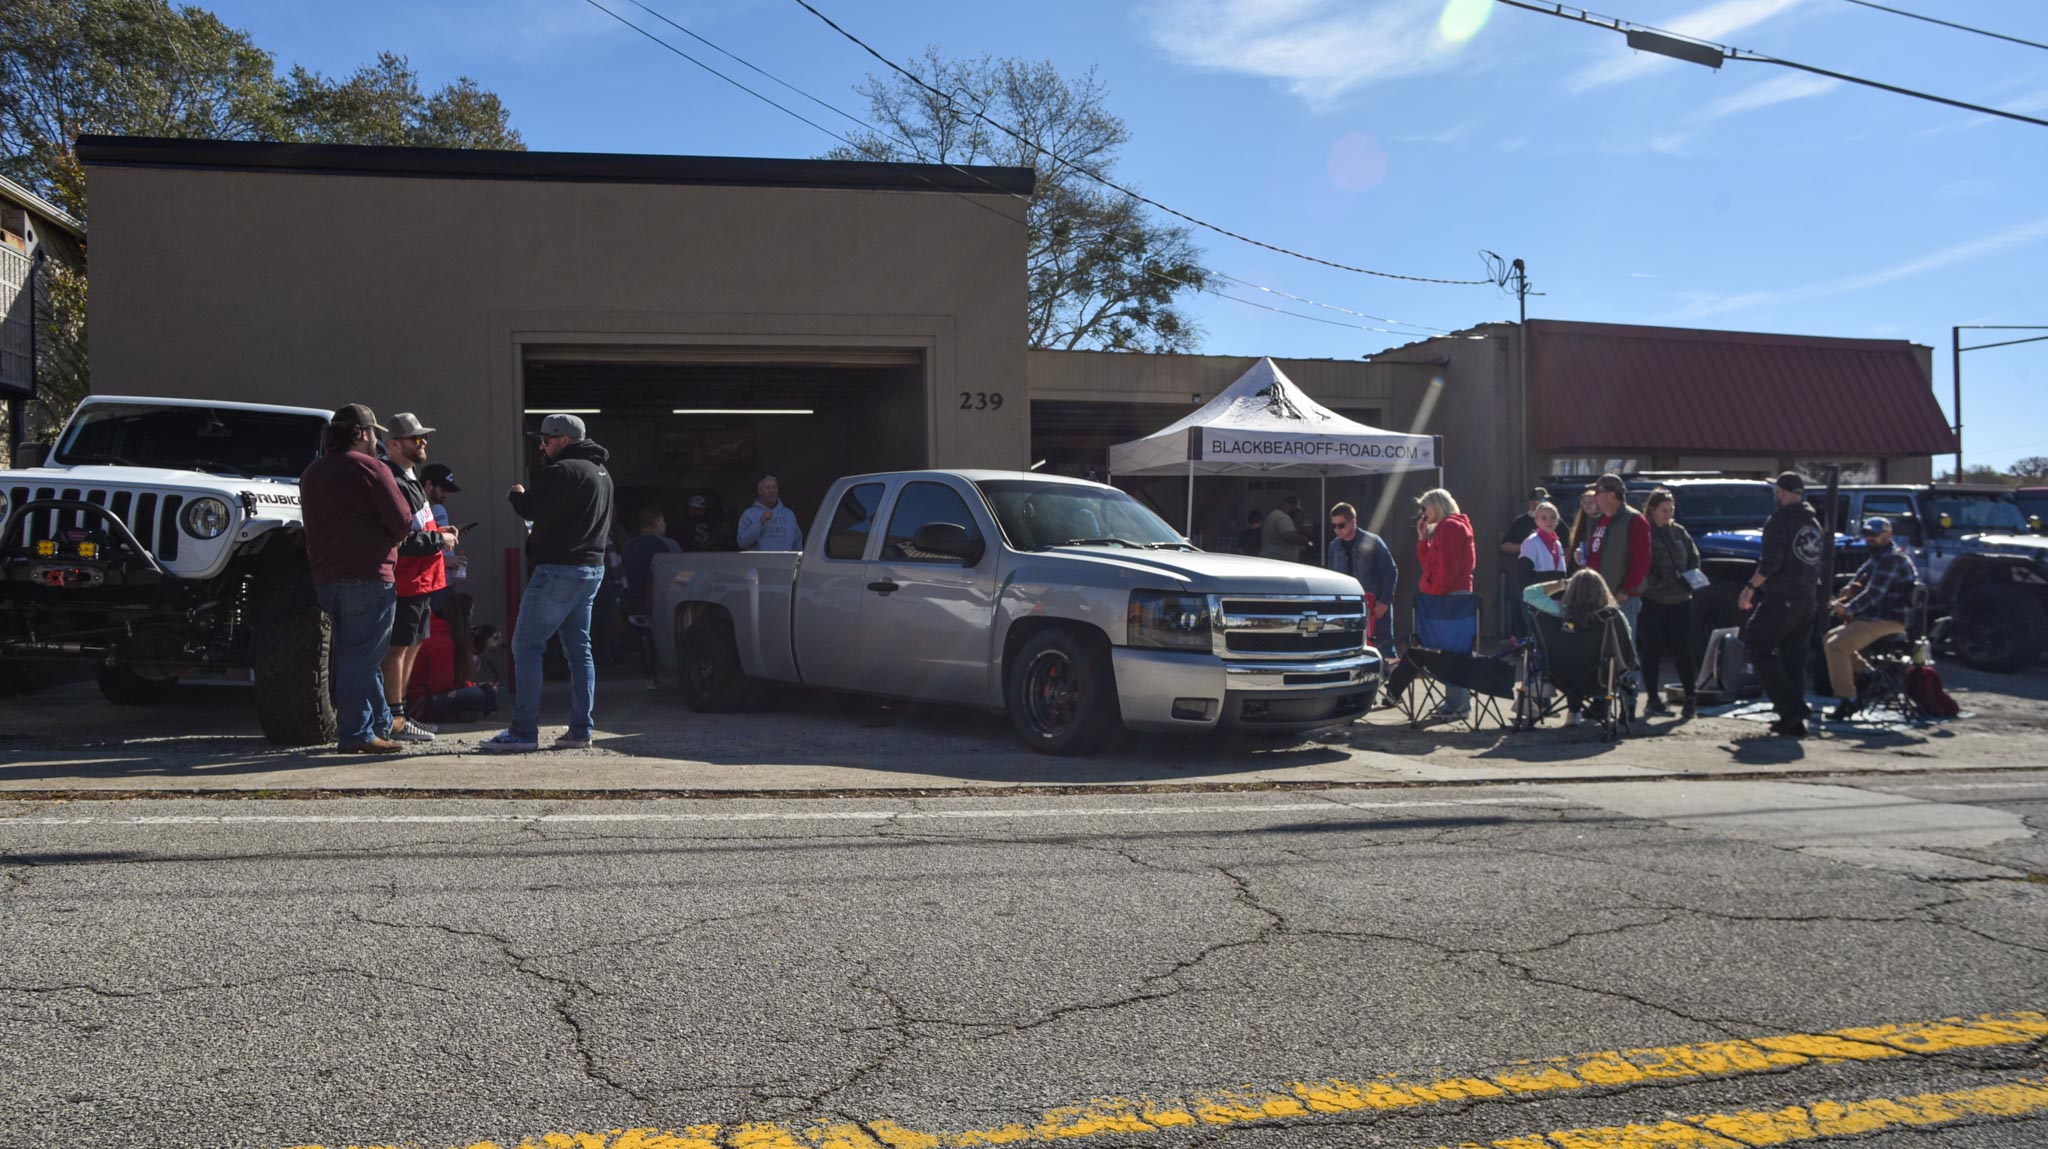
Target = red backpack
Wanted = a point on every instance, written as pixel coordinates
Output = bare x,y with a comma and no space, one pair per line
1923,686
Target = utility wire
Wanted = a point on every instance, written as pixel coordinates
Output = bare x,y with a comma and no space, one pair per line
1163,277
1618,24
1424,328
1950,24
1112,185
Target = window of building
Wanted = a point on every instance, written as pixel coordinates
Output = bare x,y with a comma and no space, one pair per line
919,506
851,523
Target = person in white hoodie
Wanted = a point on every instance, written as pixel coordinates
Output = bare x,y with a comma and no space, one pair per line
769,525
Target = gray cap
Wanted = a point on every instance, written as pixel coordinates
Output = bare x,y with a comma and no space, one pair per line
406,425
568,425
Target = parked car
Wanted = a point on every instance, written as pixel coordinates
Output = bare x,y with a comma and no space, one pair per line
162,540
1066,603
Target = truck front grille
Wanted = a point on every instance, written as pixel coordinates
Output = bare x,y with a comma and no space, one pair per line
153,517
1282,627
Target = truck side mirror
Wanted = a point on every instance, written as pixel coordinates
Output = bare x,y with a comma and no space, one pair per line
949,539
30,455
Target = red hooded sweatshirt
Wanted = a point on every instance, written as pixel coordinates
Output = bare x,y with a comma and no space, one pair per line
1447,557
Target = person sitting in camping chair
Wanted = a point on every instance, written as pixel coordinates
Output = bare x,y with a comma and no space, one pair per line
1582,651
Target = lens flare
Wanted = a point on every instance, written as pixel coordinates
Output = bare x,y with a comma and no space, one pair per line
1462,19
1357,162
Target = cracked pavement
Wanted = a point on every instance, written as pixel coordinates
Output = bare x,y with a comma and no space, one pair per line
274,973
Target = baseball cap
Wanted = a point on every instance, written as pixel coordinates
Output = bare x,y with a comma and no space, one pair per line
568,425
1790,481
356,415
439,475
1538,494
1877,525
1612,484
406,425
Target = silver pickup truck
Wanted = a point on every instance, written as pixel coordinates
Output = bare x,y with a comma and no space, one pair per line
1066,603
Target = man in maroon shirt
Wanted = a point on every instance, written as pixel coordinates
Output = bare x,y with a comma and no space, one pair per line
355,516
1620,547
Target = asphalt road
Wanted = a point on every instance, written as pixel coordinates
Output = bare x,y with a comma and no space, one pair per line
1618,965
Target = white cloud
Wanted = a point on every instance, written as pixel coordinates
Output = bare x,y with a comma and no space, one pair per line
1454,134
1668,144
1776,90
2020,236
1319,49
1716,21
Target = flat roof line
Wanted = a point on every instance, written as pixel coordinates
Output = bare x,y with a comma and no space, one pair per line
554,167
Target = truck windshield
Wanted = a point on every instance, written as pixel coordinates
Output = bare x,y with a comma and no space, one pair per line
1730,507
1035,515
218,440
1986,512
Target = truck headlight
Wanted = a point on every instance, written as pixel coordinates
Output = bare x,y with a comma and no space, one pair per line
205,518
1169,619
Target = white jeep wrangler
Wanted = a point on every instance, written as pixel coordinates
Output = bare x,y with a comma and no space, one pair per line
162,538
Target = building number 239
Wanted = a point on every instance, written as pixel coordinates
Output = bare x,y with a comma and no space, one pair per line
981,400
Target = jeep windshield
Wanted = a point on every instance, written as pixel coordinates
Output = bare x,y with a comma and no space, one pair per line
1978,512
1035,515
1742,506
214,440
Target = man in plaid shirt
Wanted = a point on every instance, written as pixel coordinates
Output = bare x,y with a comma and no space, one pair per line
1874,606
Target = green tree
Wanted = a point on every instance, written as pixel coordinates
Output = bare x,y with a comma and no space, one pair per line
1102,273
1980,473
2033,467
144,68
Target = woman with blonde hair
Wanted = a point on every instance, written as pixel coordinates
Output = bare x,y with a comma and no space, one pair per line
1446,616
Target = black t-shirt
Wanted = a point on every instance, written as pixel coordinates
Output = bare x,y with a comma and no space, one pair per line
1519,530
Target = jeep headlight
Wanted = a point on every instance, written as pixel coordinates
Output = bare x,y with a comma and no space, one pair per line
205,518
1169,620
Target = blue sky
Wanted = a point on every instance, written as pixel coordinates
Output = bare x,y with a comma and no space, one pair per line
1639,190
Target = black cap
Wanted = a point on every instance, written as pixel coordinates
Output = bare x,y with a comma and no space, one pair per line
1791,481
1538,494
439,475
357,415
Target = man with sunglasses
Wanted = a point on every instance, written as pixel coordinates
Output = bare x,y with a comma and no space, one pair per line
570,509
420,570
1364,556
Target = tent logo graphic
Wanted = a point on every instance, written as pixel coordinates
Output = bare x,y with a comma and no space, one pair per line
1282,405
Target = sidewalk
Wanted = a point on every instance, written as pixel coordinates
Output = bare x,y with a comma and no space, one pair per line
68,740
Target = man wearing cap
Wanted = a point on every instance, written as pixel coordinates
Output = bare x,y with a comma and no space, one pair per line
1783,590
440,483
420,569
570,507
1875,605
1619,547
355,516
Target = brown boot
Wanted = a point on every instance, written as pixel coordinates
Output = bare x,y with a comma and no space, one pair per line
375,746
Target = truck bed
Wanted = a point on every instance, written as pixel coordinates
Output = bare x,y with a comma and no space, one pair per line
760,583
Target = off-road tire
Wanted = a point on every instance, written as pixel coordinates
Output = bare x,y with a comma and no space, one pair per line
123,687
291,643
1060,691
1999,627
708,666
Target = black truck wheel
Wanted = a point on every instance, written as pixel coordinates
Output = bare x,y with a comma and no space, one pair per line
708,665
123,687
1999,627
1061,693
291,642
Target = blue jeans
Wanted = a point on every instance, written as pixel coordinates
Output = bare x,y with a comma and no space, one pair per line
557,601
361,612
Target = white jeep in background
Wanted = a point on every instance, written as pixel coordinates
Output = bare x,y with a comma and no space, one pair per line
162,539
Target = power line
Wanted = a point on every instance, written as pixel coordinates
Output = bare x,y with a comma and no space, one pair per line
1163,277
1220,294
1618,24
1424,328
1950,24
1105,181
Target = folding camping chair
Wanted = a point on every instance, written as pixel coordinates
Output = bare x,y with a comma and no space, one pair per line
1590,668
1439,656
1890,660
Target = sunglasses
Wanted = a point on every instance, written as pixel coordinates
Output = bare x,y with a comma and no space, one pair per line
1340,524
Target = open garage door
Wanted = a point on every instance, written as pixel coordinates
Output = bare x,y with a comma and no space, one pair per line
690,429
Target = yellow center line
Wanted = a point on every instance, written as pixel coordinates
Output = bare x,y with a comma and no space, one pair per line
1609,1069
1795,1124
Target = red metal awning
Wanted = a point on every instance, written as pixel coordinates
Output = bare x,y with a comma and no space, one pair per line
1609,386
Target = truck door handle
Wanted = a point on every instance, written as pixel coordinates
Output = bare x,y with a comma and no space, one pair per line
884,587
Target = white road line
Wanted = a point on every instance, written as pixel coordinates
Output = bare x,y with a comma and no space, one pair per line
760,816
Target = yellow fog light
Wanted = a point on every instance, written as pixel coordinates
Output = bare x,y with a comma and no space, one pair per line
47,548
88,550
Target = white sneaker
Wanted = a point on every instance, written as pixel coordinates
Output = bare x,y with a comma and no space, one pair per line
505,742
416,724
405,730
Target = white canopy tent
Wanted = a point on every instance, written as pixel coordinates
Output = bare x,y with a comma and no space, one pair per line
1265,425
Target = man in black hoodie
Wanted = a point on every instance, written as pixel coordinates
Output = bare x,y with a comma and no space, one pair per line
1785,591
570,512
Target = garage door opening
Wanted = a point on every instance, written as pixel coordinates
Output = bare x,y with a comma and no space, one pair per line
690,430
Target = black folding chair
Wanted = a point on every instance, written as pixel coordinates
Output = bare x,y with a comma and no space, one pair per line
1420,685
1891,659
1590,668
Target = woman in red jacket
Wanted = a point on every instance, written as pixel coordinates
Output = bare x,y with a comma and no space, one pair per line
1446,612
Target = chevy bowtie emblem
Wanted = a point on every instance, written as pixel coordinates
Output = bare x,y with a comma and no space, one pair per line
1312,624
